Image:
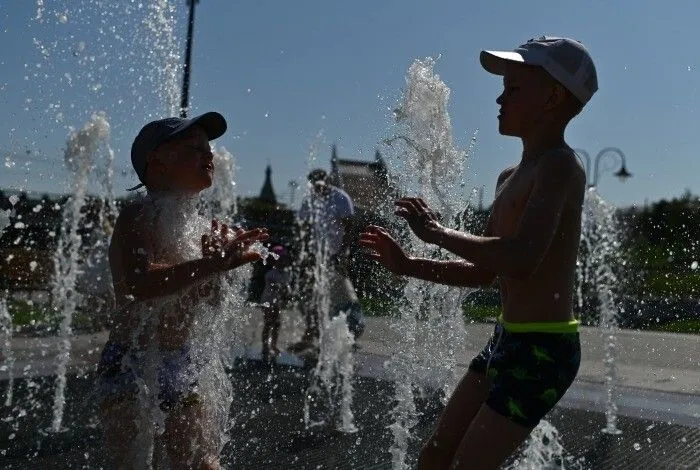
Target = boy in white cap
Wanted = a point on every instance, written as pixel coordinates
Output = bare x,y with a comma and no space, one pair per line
153,256
530,248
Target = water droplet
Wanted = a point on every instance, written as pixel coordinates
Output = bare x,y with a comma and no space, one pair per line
637,446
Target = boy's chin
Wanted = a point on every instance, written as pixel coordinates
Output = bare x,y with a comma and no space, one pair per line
509,131
204,182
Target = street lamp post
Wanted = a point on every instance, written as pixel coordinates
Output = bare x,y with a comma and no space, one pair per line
622,174
184,99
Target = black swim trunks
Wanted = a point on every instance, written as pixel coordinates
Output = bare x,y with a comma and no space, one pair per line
528,372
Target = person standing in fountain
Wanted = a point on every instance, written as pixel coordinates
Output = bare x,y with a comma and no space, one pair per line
274,295
530,247
325,218
173,159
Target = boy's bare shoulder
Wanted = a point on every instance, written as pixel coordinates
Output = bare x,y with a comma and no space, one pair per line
129,220
562,165
505,174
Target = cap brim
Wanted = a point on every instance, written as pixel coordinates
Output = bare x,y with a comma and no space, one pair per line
212,122
495,61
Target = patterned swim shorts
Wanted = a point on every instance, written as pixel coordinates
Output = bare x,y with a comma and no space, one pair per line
528,372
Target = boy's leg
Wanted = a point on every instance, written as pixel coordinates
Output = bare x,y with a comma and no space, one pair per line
119,424
529,373
465,402
189,438
489,441
463,405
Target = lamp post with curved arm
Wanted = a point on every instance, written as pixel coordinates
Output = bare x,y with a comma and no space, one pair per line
621,173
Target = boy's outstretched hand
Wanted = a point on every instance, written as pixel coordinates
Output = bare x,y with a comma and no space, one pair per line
423,221
231,248
383,248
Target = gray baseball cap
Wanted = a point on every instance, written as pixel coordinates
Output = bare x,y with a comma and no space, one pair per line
566,60
157,132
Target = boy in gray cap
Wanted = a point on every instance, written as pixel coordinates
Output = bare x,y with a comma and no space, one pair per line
530,248
155,257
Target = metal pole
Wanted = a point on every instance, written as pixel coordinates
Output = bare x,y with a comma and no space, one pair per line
184,103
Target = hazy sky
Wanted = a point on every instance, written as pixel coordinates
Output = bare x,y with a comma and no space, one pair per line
292,75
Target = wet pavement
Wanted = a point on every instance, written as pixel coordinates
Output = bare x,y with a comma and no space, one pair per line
269,433
657,396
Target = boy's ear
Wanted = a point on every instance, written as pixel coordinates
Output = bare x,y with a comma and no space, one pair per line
557,97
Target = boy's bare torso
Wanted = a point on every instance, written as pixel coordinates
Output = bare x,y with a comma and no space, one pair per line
135,249
547,295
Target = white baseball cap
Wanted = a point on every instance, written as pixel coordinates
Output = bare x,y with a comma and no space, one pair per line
566,60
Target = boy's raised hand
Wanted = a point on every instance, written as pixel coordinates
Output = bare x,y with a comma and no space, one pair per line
423,221
231,248
383,248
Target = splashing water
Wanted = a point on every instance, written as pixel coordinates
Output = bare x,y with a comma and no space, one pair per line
92,51
84,150
207,319
329,397
543,451
6,328
333,376
600,251
428,163
134,52
6,348
222,195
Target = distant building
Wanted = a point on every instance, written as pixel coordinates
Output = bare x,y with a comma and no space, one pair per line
366,182
267,193
266,211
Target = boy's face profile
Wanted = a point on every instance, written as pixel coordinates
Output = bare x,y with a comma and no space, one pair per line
184,164
529,93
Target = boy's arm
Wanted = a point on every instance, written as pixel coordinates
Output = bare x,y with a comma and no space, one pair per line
450,272
520,255
383,248
455,272
163,280
135,274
